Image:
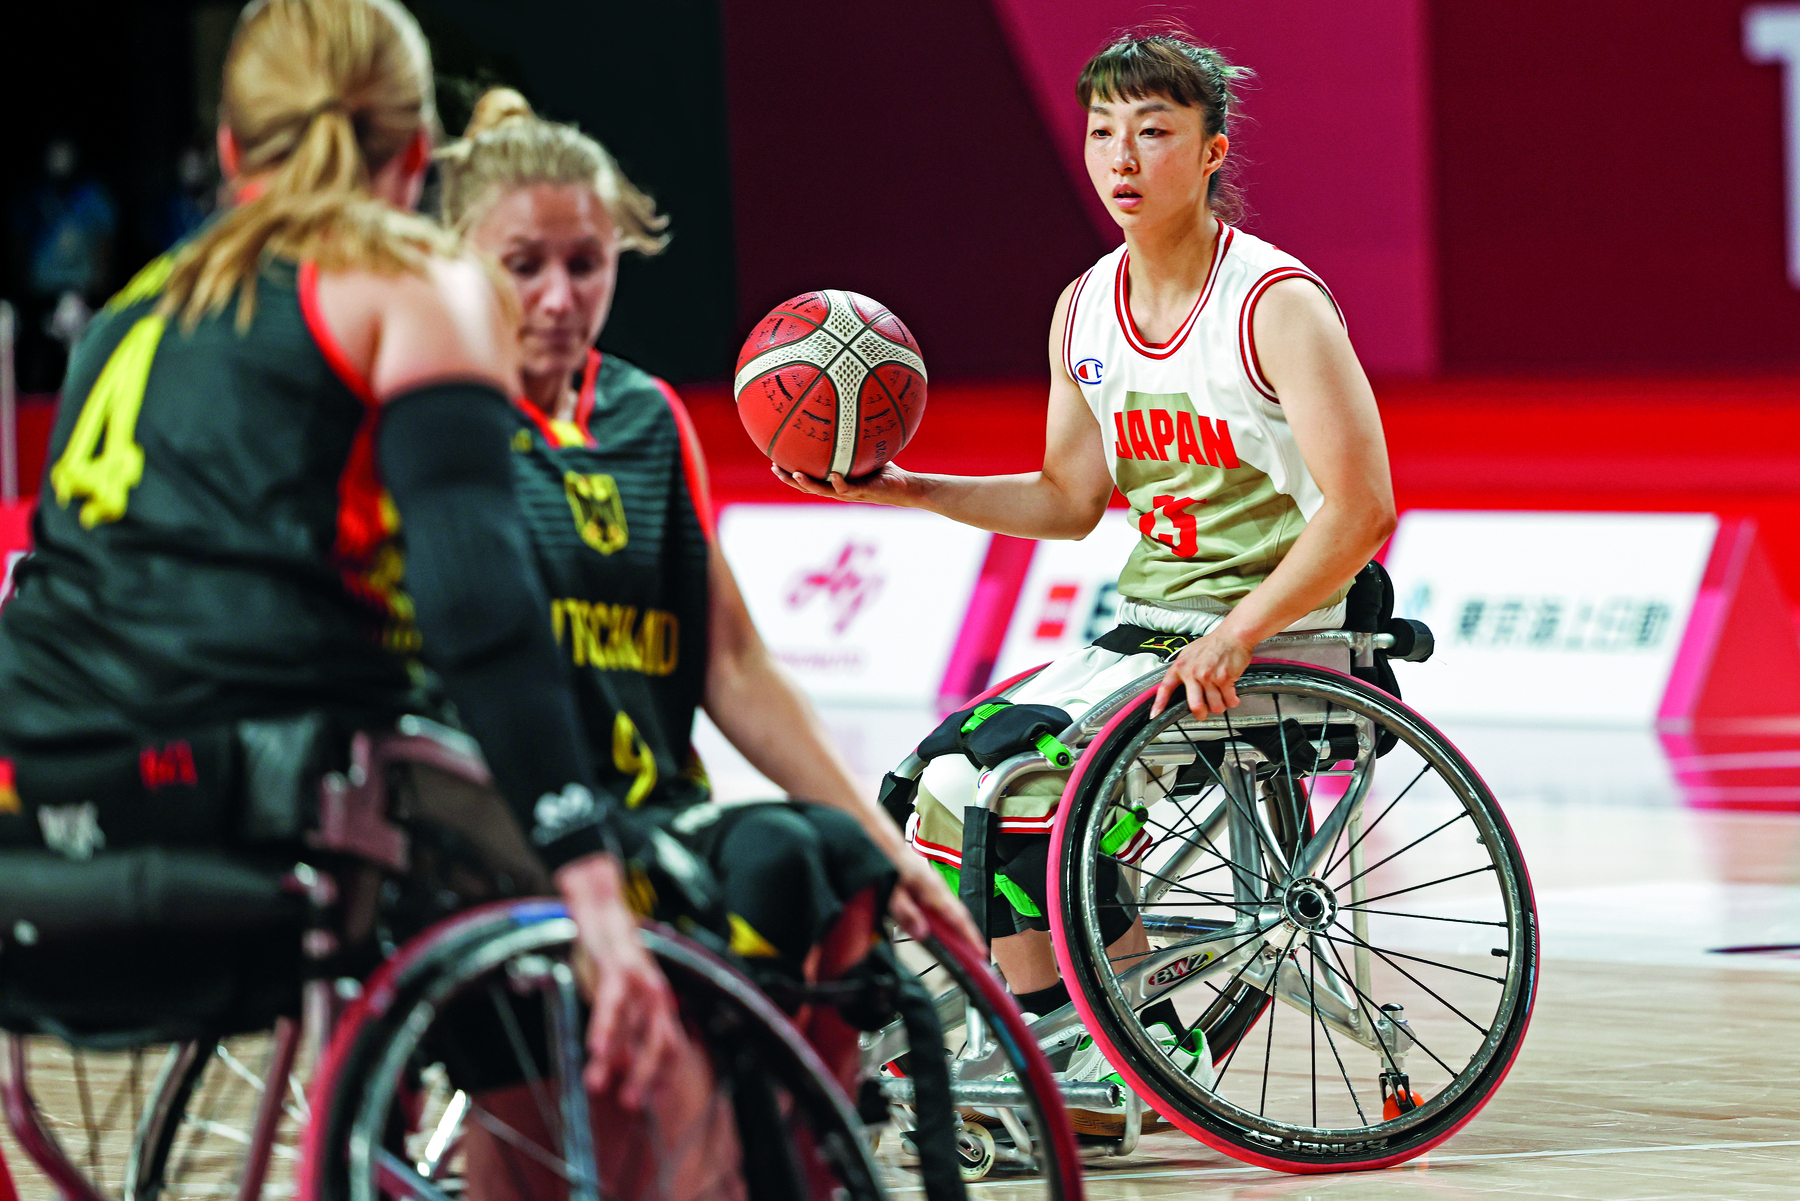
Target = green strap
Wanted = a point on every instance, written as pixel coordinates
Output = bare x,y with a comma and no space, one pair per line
1003,887
982,713
1124,828
1051,748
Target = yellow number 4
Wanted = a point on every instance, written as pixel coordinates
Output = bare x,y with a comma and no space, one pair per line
103,461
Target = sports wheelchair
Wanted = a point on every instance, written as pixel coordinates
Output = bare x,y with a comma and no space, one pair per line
299,1014
1352,953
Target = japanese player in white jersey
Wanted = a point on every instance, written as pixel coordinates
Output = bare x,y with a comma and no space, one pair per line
1208,376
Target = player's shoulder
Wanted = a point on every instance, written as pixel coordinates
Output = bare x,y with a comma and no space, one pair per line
1083,285
627,397
1246,260
621,383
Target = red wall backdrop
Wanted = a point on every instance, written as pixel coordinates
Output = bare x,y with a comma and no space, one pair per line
893,149
929,155
1609,190
1334,154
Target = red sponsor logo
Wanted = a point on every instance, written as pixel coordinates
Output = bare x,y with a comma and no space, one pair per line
173,764
1057,607
1168,437
849,583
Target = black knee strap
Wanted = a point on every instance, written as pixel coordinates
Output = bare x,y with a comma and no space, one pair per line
992,732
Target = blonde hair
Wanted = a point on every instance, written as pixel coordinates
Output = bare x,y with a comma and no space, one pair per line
508,146
319,94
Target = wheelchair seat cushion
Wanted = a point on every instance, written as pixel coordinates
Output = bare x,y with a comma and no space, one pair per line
147,945
48,898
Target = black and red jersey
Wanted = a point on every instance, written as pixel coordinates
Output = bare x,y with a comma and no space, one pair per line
617,506
212,542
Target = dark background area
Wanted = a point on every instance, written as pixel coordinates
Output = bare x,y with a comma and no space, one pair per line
1609,191
875,171
133,84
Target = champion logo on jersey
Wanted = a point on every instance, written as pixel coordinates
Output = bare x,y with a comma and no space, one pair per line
1090,371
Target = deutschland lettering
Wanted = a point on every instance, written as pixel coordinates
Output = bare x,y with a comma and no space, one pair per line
1192,438
615,637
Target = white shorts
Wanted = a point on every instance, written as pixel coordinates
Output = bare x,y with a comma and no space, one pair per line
1074,683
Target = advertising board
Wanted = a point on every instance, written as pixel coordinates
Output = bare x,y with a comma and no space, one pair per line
1070,595
1552,618
862,604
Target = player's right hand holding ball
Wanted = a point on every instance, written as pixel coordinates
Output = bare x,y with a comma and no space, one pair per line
888,485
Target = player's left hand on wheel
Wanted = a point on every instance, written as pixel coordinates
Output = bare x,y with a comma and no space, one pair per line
1208,671
922,891
634,1034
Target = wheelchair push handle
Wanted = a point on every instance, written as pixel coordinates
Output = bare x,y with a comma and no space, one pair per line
1404,638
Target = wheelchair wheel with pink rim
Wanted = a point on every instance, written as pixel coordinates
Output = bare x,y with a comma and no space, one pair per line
1352,952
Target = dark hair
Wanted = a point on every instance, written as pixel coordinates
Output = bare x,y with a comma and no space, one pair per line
1142,63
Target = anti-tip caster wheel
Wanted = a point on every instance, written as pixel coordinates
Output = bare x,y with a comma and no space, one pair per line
975,1151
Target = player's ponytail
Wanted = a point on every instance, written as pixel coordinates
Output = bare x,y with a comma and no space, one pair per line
1170,62
508,146
318,95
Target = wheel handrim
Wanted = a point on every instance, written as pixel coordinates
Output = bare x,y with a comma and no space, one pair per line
1266,899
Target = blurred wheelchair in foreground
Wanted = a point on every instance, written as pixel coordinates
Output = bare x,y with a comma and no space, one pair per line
1352,953
318,1012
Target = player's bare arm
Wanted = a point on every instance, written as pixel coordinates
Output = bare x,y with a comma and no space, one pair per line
772,724
1306,354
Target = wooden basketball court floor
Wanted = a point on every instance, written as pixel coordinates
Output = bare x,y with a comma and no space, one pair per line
1655,1067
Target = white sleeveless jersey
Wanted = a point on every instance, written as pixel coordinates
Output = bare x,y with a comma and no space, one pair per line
1195,436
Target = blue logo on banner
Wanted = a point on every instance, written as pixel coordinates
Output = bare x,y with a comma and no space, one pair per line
1089,371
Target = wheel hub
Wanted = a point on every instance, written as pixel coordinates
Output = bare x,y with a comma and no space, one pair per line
1310,904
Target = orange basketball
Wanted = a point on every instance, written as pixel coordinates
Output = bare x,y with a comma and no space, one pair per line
830,381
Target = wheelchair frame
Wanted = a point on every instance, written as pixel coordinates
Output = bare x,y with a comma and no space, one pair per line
353,823
1241,950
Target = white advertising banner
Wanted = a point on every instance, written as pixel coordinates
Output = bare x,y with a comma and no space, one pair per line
861,603
1070,596
1553,618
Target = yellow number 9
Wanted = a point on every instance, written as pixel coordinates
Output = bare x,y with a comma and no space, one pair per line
633,756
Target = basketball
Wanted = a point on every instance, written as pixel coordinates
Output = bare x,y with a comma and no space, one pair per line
830,381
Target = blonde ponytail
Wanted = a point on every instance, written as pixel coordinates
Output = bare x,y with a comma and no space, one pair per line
319,95
508,146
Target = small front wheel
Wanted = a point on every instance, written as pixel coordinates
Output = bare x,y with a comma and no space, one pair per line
974,1151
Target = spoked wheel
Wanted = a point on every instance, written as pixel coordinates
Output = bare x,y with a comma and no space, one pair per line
1358,947
1010,1120
462,1061
167,1121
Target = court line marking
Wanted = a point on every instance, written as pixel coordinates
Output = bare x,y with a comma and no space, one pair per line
1429,1160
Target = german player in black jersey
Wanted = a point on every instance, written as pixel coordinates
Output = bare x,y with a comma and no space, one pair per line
643,605
244,431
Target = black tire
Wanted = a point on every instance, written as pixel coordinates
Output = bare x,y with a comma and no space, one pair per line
1051,1156
1291,713
388,1028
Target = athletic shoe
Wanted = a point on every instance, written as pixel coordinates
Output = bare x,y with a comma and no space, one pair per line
1190,1056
